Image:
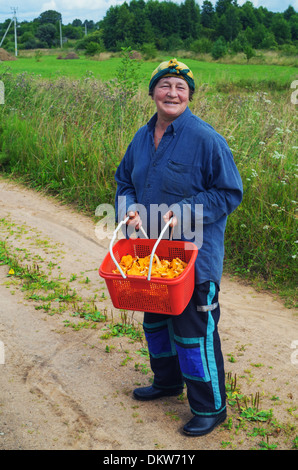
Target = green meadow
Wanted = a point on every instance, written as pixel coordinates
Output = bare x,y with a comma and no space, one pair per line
50,67
66,124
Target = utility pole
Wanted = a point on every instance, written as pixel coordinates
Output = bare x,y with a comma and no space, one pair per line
14,9
60,27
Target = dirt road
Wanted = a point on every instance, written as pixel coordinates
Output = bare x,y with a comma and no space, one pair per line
66,387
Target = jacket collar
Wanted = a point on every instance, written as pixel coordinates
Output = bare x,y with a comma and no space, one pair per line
174,126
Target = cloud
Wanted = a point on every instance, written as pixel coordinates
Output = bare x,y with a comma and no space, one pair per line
273,5
83,9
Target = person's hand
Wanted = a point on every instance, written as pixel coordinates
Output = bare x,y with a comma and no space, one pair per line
134,220
168,215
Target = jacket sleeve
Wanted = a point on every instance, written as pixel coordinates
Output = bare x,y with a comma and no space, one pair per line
224,190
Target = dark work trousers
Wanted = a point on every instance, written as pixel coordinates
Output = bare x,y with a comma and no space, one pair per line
186,349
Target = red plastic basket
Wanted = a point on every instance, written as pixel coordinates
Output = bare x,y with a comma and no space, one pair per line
168,296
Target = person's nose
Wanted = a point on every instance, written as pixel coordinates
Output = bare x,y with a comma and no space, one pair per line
172,91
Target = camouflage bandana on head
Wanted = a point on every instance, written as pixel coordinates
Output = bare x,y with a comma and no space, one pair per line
173,68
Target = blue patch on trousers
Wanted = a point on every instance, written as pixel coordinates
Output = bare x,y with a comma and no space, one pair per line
193,362
159,343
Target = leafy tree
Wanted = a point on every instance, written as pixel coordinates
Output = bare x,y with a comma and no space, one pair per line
141,29
207,15
258,35
249,52
222,5
72,32
108,28
264,16
293,23
189,20
281,29
50,16
247,15
219,48
90,25
123,26
149,51
77,23
94,38
167,25
202,45
92,48
48,34
288,13
229,24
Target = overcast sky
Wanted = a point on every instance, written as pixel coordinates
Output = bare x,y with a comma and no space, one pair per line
95,10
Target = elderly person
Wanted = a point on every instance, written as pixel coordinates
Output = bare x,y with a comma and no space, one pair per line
178,160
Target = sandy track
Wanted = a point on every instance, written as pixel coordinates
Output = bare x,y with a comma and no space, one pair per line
60,389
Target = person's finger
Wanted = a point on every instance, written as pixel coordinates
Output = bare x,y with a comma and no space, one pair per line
168,215
134,220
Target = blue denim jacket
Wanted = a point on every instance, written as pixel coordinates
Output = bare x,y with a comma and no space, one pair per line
192,167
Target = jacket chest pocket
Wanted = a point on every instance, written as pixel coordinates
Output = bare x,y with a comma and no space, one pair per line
177,179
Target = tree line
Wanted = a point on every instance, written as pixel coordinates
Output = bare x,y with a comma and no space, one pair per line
155,25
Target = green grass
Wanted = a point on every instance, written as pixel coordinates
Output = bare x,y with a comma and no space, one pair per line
68,135
268,76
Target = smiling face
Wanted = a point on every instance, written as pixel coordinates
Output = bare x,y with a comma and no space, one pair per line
171,96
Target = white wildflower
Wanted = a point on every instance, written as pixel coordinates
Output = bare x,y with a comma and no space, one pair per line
277,155
266,227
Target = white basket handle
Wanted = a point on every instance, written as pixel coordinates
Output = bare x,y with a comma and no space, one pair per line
155,246
123,222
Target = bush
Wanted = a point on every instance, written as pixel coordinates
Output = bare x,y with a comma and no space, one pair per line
149,51
249,52
93,48
288,50
269,42
236,46
219,49
203,46
95,38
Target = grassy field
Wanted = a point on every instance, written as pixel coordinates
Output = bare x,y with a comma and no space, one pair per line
261,76
66,124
